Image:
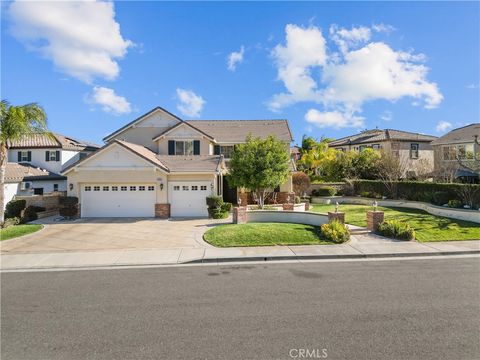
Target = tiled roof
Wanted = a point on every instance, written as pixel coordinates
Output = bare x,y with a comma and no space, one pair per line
55,141
461,135
195,163
378,135
235,131
145,153
15,172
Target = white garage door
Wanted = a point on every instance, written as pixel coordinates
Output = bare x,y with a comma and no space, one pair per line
188,198
118,200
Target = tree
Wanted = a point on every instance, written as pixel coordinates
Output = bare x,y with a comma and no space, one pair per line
316,157
15,123
392,169
259,165
300,182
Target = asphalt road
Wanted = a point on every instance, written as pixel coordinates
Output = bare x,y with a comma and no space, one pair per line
416,309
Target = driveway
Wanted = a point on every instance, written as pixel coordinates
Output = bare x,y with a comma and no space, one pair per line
112,234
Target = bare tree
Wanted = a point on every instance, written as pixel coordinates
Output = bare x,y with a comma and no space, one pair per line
392,168
468,193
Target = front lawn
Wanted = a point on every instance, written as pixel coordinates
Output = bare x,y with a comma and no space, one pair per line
264,234
18,230
427,227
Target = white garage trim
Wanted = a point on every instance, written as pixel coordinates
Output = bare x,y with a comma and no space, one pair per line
188,198
118,200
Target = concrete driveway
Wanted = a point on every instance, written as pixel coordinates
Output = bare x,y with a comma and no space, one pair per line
112,234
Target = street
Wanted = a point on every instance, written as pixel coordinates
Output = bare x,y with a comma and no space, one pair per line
403,309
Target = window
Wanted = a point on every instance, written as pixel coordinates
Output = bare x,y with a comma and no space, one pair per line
227,151
53,156
141,188
123,188
185,188
133,188
151,188
106,188
361,147
176,188
184,147
454,152
203,187
24,156
55,187
376,146
194,188
88,188
414,151
114,188
96,188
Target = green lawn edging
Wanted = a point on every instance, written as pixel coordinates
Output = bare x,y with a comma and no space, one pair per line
18,230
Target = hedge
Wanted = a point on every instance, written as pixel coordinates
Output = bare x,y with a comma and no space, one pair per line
435,193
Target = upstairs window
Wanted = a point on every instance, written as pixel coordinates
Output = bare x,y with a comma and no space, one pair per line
183,147
414,151
24,156
227,151
52,155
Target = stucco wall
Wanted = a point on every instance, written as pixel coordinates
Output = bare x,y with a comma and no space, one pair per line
296,217
10,191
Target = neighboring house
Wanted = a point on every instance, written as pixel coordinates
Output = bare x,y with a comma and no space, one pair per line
20,179
295,153
457,154
160,165
49,155
413,148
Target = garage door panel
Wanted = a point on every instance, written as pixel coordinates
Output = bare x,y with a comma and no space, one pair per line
118,200
188,199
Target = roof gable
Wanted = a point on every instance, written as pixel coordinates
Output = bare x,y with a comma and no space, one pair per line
465,134
183,130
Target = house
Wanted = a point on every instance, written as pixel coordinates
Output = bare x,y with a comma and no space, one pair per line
160,165
35,161
413,148
457,154
295,153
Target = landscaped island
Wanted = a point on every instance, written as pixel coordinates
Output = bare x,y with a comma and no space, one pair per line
18,230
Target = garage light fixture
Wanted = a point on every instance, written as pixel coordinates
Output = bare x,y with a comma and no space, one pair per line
161,186
70,186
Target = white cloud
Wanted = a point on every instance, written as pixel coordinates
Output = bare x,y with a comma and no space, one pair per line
443,126
386,116
235,58
334,119
109,101
190,103
305,48
383,28
82,38
361,72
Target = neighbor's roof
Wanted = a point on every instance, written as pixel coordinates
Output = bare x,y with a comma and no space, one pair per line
194,163
55,141
460,135
235,131
378,135
15,172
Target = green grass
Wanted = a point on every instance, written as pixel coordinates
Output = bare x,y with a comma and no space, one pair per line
427,227
18,230
264,234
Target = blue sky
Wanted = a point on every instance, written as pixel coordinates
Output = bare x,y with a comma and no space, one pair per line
329,68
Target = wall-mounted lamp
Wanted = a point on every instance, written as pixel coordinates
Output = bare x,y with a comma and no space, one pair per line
211,186
161,186
70,186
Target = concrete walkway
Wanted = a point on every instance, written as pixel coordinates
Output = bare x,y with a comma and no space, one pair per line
360,246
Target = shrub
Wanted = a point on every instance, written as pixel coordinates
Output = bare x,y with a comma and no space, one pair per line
68,206
440,198
335,231
30,214
14,208
65,201
396,230
219,214
214,201
326,191
455,204
68,212
297,200
10,222
226,207
300,182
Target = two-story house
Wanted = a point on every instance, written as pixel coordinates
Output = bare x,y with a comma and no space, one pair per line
160,165
35,162
413,148
457,154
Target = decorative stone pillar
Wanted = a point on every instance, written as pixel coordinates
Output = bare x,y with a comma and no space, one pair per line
242,198
288,207
307,206
162,211
285,197
374,218
240,215
339,216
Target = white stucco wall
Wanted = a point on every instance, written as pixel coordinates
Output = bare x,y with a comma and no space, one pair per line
10,191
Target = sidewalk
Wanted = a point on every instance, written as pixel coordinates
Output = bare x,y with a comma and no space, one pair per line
360,246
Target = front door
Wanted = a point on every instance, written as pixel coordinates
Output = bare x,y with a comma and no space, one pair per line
229,192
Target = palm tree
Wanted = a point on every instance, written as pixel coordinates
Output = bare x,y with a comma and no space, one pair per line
15,123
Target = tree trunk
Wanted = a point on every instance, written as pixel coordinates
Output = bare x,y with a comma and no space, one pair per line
3,165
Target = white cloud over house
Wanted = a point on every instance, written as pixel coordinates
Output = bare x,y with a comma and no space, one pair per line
109,101
343,81
443,126
235,58
82,38
189,103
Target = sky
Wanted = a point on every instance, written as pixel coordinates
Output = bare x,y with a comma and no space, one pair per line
331,68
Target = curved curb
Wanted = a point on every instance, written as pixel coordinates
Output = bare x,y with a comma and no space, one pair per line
44,226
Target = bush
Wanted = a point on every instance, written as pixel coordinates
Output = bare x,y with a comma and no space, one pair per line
68,206
10,222
300,182
68,212
335,231
214,201
325,191
455,204
219,214
65,201
370,194
30,214
440,198
14,208
396,230
297,200
226,207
